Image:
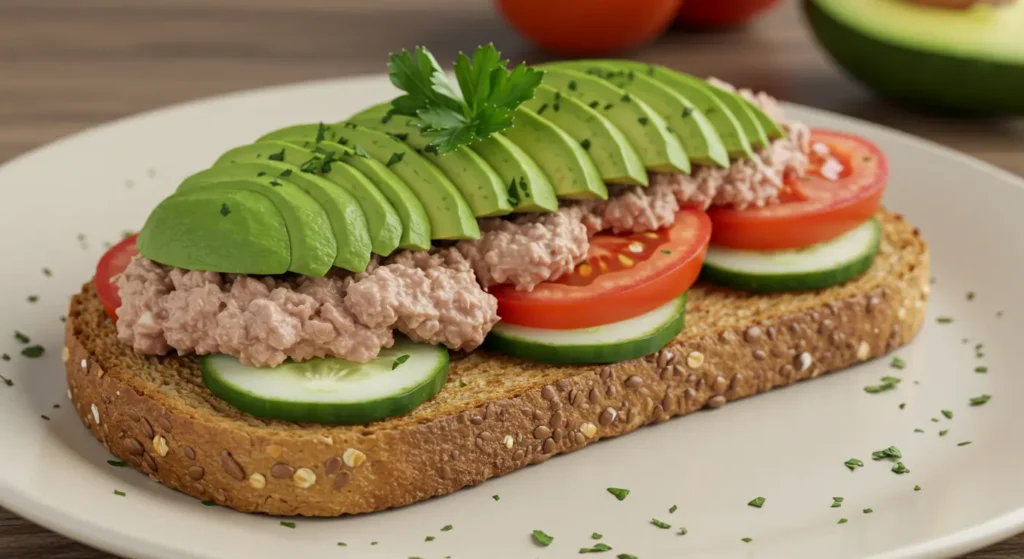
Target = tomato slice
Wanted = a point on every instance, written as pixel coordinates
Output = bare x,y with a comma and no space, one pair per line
842,189
623,276
112,263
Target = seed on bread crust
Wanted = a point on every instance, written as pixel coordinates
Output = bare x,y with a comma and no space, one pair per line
95,414
863,350
588,429
257,481
353,458
695,359
304,478
160,445
65,355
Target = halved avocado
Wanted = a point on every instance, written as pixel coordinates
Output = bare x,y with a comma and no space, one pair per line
477,181
313,245
697,91
695,131
611,151
217,230
967,61
645,128
568,167
347,219
527,184
384,223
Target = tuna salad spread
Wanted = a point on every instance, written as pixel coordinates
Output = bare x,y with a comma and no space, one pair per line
438,296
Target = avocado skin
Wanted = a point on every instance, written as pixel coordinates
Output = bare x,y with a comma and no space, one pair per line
234,232
918,78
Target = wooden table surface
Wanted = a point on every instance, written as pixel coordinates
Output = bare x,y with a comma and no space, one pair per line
66,65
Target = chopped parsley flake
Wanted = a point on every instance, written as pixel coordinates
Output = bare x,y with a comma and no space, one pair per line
22,338
756,502
47,272
399,360
687,111
903,405
396,157
868,511
6,380
970,295
446,528
944,319
917,488
495,497
943,432
981,369
837,502
620,494
898,363
542,108
5,357
888,383
342,544
287,524
643,121
119,493
672,509
594,104
279,156
660,524
682,531
373,543
541,538
980,400
891,452
225,210
948,414
853,463
33,351
572,85
746,540
596,536
208,503
585,143
965,443
44,416
626,98
900,469
429,539
842,521
117,463
919,430
626,556
598,548
935,420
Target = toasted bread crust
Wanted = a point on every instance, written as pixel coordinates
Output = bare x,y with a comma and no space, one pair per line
496,414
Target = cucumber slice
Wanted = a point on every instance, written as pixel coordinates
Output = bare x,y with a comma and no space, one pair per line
815,267
332,390
610,343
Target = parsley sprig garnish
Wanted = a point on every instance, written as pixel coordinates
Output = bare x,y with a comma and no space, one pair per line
489,94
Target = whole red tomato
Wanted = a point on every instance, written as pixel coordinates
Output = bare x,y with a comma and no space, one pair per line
721,13
590,27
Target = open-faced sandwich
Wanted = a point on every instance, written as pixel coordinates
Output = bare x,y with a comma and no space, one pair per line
457,283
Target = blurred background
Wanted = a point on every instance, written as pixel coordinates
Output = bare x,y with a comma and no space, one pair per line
948,70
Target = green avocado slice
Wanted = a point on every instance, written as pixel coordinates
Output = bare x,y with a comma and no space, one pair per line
385,226
527,184
611,151
313,245
347,219
771,128
697,91
449,213
228,231
568,167
477,181
646,129
743,112
322,139
695,131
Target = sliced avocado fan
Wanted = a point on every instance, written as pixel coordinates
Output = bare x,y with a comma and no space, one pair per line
347,219
228,231
386,228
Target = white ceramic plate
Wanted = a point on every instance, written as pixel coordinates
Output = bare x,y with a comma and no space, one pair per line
787,446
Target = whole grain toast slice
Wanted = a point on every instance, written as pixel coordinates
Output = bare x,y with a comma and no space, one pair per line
496,414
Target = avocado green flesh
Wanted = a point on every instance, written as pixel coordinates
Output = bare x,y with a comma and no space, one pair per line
478,183
962,61
646,129
744,115
385,226
347,219
566,164
313,245
771,128
533,191
449,213
695,132
215,230
696,90
614,155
